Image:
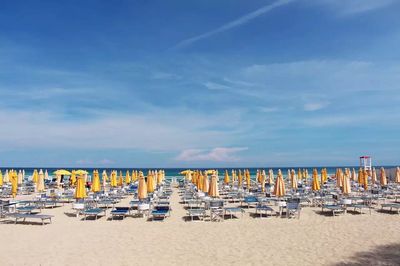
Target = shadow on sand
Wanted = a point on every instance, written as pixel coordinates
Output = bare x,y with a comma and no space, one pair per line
380,255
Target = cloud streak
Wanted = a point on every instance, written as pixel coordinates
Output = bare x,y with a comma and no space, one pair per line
235,23
219,154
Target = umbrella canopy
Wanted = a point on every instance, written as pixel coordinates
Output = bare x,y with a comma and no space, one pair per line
113,182
263,178
213,189
81,172
19,177
324,175
248,180
339,177
373,176
240,178
127,178
40,183
142,187
360,176
62,172
397,177
279,189
150,183
80,191
96,181
46,175
104,178
315,182
299,174
35,176
270,176
353,175
120,179
1,179
159,177
185,172
383,177
227,180
14,183
206,184
365,181
72,180
346,188
293,179
6,178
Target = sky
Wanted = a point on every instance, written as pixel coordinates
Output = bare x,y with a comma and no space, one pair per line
138,83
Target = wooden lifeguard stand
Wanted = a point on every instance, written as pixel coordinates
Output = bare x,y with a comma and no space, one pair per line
366,163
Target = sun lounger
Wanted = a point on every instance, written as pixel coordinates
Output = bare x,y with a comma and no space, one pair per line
26,209
120,212
93,212
261,208
200,213
335,209
24,216
159,213
293,209
250,200
391,206
361,207
233,210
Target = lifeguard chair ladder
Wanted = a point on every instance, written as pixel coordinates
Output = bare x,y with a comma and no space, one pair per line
366,163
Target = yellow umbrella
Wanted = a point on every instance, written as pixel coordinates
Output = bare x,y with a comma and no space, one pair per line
96,182
14,183
73,178
315,182
373,176
134,176
263,178
299,174
6,178
339,177
270,176
80,191
383,177
150,183
397,178
35,176
365,179
142,187
104,178
113,179
346,188
206,184
227,180
81,172
120,179
248,180
159,177
293,179
40,183
62,172
213,189
354,175
185,172
324,175
279,189
210,171
1,179
240,178
127,178
360,176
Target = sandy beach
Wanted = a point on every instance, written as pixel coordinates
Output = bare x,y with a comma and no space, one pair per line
314,239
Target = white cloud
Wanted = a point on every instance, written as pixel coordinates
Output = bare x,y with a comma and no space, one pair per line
314,106
219,154
235,23
216,86
350,7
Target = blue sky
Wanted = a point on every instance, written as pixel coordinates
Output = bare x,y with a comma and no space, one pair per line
199,83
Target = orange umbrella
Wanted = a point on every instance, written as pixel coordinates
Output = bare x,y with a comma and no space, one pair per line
263,178
213,189
14,183
299,175
346,188
373,176
150,183
205,183
240,178
315,182
279,189
354,175
227,179
397,178
120,179
365,174
293,179
248,180
270,176
383,177
360,176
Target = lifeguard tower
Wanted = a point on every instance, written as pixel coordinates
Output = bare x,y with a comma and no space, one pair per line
366,163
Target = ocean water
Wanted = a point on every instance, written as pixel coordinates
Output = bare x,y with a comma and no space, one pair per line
175,172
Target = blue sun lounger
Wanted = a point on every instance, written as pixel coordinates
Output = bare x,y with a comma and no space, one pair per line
120,212
93,212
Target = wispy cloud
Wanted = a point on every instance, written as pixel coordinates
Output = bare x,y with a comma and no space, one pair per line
352,7
235,23
219,154
314,106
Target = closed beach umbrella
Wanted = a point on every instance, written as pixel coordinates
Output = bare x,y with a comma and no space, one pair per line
339,177
248,180
213,189
159,177
240,178
142,187
365,181
293,179
325,175
80,190
35,176
206,184
315,182
113,179
19,177
96,181
227,180
360,176
72,179
383,177
279,189
299,175
270,176
46,175
6,177
150,183
354,175
263,179
346,188
104,178
397,178
40,183
1,179
14,183
373,176
120,179
127,178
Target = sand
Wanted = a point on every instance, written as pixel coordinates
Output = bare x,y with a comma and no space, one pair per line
314,239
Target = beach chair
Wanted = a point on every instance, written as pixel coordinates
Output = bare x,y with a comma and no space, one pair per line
293,209
393,207
263,209
233,211
200,213
94,212
250,201
216,210
120,212
160,212
334,208
24,216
